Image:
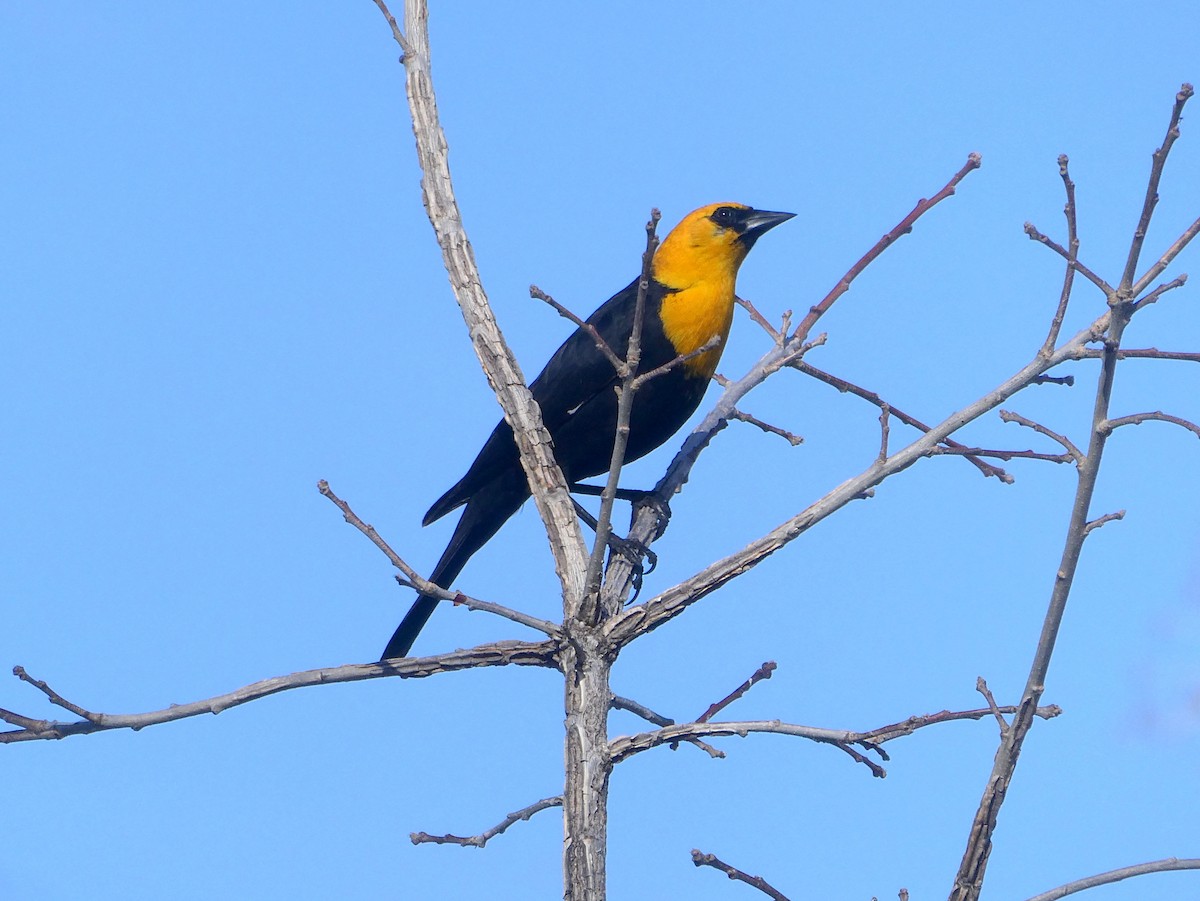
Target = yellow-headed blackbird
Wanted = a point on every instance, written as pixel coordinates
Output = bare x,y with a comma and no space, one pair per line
690,300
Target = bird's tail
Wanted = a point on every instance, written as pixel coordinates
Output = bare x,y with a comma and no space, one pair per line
486,511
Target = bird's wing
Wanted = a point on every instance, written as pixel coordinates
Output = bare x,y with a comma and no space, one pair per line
576,373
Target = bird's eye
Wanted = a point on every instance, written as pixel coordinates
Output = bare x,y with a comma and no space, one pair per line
725,216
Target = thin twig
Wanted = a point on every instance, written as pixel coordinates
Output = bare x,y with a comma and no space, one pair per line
638,709
1100,521
547,486
56,698
999,454
791,438
624,747
1035,235
1075,452
1157,416
981,686
412,580
1072,256
847,387
1158,163
776,335
904,227
762,673
711,344
1177,282
700,859
885,412
627,704
618,364
630,382
478,841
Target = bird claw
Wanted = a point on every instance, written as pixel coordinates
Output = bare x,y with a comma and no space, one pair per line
634,552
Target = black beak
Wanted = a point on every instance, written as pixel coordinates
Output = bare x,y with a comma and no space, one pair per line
758,222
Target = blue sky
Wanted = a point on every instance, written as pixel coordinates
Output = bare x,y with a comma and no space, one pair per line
221,287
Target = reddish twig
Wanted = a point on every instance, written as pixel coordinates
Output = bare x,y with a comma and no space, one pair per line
700,859
974,161
759,675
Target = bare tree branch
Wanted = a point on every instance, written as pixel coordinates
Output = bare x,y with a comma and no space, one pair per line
1157,416
618,364
640,619
847,387
759,675
546,482
1083,270
478,841
625,747
968,881
700,859
1159,161
1141,869
500,653
1143,353
1072,256
999,454
1100,521
791,438
1009,416
423,585
974,161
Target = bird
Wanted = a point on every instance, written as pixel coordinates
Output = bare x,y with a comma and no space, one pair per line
689,301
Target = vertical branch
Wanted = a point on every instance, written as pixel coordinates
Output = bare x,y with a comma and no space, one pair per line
633,359
1072,256
546,482
969,880
586,666
1158,161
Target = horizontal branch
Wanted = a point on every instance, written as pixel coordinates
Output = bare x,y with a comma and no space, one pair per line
1108,426
1140,353
501,653
640,619
626,746
1141,869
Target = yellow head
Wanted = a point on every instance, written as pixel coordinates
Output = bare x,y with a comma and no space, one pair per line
710,244
698,263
